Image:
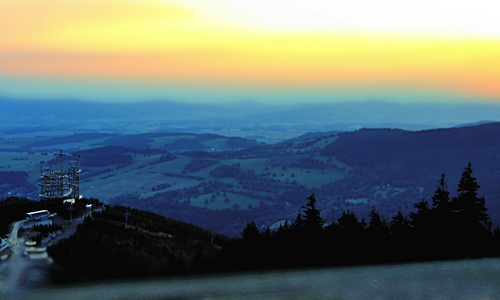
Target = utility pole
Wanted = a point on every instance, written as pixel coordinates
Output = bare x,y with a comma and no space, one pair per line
70,214
126,218
61,155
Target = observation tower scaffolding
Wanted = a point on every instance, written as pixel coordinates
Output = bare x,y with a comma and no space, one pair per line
60,184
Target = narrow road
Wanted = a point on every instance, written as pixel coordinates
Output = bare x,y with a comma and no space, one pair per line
12,269
19,271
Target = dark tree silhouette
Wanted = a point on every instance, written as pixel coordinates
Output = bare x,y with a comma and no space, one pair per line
312,219
399,225
471,207
250,234
377,237
376,224
441,197
298,223
421,220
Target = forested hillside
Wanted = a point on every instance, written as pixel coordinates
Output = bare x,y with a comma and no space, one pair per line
150,245
414,159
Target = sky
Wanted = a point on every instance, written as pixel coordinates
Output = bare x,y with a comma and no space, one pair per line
272,51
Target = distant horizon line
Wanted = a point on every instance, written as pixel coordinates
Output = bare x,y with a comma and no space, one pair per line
70,99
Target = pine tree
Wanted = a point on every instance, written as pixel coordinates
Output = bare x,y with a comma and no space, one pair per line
312,218
399,224
350,228
421,220
377,226
441,197
377,237
471,208
250,234
298,223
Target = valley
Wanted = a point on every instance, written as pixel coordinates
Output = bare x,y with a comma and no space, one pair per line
220,182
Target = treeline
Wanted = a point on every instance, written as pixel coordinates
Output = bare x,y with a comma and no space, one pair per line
199,178
72,138
300,161
119,156
448,228
200,163
225,171
234,171
166,157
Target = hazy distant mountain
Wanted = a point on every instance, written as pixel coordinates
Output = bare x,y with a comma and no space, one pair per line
474,124
173,116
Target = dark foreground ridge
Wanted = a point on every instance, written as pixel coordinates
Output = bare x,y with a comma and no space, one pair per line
467,279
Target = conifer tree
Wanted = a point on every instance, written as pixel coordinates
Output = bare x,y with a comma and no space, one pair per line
250,234
377,235
377,225
349,226
312,218
399,224
421,220
441,197
471,207
298,223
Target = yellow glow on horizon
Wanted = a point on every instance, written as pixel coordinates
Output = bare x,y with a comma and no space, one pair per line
260,44
441,17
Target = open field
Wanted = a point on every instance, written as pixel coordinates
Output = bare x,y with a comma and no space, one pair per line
145,172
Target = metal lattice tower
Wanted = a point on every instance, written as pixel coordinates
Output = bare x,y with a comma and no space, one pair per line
74,179
60,184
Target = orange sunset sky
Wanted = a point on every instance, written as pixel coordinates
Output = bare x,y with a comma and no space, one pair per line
262,50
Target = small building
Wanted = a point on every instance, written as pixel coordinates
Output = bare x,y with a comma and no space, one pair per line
3,244
37,214
69,201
